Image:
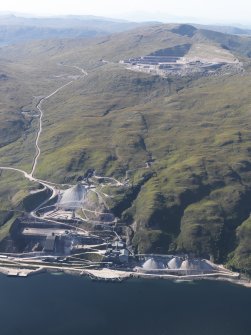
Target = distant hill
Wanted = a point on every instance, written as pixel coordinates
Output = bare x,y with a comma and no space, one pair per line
183,143
225,29
16,29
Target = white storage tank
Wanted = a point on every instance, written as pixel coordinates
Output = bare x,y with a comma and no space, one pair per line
150,264
174,263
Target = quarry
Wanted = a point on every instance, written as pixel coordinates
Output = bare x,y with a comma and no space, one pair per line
186,60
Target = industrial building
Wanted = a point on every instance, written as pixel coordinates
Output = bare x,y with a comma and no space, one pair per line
50,244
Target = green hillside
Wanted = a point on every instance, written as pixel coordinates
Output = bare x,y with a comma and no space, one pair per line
196,195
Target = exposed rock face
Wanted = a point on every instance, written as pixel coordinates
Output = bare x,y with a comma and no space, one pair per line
184,30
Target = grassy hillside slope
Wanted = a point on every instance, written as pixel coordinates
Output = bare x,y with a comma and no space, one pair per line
195,196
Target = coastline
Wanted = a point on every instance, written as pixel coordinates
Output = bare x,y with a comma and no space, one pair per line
120,275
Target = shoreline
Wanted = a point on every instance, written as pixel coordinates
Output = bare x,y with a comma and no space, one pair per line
237,280
120,275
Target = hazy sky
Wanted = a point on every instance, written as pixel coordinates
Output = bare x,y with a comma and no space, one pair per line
221,11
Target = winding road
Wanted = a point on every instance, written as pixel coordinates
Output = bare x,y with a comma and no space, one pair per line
50,185
30,176
39,107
